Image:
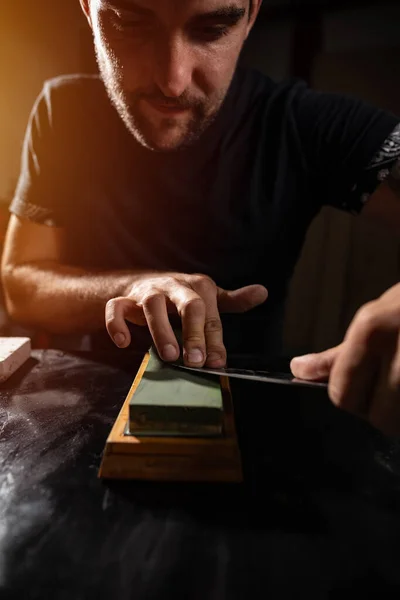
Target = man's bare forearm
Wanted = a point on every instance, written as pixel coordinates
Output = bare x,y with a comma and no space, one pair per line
62,299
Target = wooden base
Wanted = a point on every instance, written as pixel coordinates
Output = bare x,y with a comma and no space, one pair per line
172,458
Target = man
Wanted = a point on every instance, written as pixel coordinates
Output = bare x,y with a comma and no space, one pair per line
183,177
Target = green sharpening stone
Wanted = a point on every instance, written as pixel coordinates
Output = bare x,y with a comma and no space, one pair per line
169,402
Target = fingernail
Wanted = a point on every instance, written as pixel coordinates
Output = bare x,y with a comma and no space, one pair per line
310,367
119,339
169,352
195,356
214,357
302,360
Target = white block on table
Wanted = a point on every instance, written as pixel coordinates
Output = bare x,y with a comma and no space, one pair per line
14,352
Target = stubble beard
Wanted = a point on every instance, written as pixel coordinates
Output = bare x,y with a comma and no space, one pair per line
139,126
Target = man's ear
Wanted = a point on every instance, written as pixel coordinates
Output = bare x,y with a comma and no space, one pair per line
254,10
85,4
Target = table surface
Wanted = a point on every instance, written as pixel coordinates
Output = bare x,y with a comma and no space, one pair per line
318,514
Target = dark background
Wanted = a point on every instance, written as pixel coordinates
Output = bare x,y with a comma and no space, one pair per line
347,46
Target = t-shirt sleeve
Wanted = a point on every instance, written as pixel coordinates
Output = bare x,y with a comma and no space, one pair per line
348,146
37,190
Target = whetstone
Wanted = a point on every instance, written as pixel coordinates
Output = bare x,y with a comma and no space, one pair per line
174,456
170,403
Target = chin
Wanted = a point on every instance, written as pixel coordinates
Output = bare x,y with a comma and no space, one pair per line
157,145
160,143
166,146
168,137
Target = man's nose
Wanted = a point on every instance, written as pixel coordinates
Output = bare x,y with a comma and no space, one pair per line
173,67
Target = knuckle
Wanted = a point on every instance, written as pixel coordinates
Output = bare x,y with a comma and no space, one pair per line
203,284
367,319
166,281
193,339
213,325
114,302
201,277
193,306
151,299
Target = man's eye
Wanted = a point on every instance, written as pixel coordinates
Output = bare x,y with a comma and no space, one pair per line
210,34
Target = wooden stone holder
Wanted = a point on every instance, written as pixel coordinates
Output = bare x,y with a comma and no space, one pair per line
195,459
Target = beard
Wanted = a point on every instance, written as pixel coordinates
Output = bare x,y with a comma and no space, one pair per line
168,134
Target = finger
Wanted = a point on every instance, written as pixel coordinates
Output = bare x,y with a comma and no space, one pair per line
118,311
155,311
215,349
394,373
384,412
216,352
315,367
353,376
241,300
192,310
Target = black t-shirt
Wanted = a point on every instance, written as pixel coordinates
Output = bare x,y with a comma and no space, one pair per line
235,206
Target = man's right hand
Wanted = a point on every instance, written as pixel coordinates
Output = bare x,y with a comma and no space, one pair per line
198,302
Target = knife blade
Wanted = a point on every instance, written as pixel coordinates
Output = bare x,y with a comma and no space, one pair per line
254,375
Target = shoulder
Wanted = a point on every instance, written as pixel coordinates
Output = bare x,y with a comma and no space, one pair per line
73,106
257,83
253,89
72,93
72,85
294,101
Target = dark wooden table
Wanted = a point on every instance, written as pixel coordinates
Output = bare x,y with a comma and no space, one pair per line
318,514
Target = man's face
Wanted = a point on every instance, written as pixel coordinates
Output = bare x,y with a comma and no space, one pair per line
167,64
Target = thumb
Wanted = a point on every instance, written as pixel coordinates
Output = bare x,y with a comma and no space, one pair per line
241,300
315,366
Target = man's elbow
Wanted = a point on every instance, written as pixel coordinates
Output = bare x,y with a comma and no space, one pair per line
16,296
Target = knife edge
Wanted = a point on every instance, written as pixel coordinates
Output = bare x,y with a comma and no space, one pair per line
258,375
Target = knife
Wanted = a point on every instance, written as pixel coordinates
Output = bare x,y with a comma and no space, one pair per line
257,375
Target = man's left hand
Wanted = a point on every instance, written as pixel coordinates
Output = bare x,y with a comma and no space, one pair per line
364,371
